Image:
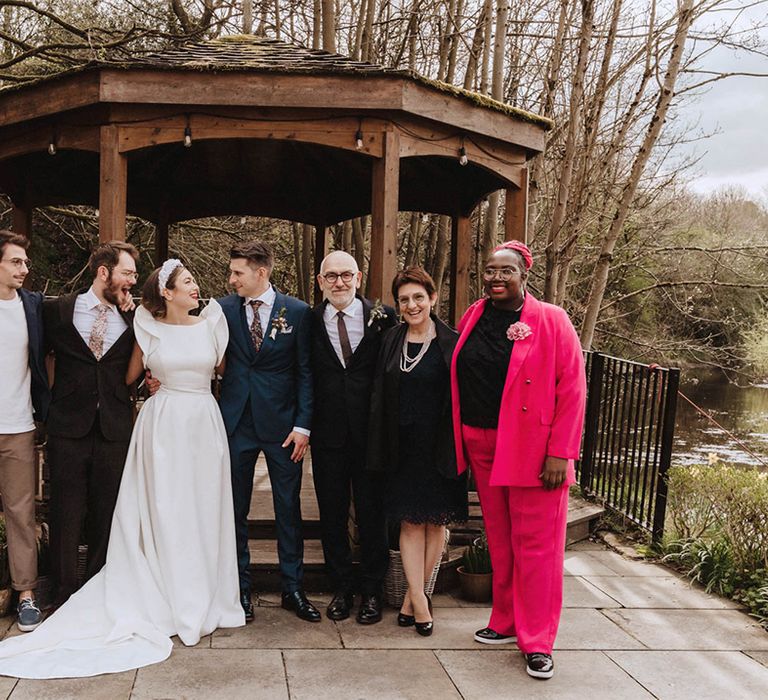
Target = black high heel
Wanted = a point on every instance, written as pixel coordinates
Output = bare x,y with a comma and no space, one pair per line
425,628
405,620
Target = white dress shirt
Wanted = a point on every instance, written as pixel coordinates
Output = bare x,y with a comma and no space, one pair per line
354,320
267,300
85,316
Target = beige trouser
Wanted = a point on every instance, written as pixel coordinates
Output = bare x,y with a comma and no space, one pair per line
17,486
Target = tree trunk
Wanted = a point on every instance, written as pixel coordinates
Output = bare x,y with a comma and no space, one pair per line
440,263
298,261
306,260
329,25
317,16
247,16
474,54
685,18
569,155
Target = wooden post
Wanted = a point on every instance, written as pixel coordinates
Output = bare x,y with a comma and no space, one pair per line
385,197
461,255
21,219
113,186
161,241
321,250
516,211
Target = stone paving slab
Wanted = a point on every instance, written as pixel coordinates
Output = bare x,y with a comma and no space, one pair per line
578,675
113,686
204,643
658,592
706,630
579,592
454,629
704,675
275,628
6,686
606,563
761,656
583,564
373,675
584,629
234,674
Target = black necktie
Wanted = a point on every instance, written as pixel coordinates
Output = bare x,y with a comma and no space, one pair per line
346,347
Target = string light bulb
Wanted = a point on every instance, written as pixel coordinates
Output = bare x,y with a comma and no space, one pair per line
359,140
187,137
52,149
463,160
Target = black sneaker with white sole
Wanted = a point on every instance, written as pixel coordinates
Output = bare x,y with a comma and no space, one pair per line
540,665
489,636
29,615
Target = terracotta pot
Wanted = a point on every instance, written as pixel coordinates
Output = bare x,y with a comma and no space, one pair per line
475,587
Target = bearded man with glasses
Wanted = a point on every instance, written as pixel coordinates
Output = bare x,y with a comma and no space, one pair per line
346,336
90,334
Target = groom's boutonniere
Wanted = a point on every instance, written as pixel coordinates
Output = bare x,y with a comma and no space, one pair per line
519,331
279,324
378,312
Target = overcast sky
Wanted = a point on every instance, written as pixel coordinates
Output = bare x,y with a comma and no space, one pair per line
735,110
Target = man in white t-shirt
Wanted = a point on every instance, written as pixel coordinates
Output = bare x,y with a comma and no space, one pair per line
23,398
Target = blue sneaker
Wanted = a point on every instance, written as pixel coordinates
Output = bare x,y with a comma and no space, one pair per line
29,615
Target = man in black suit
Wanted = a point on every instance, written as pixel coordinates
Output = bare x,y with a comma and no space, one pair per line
24,399
91,417
346,335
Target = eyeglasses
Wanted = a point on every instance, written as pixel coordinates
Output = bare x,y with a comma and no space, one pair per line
128,274
506,273
331,277
20,262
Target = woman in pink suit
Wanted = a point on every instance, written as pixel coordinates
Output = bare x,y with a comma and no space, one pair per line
519,386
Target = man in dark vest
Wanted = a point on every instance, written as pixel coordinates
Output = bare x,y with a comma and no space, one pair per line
24,399
346,335
90,418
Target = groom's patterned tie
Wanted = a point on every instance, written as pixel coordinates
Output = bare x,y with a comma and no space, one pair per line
257,334
99,330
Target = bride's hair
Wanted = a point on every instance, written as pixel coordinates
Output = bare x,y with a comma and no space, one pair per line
151,298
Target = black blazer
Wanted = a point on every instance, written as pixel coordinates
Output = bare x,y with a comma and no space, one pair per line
82,384
343,394
33,311
383,427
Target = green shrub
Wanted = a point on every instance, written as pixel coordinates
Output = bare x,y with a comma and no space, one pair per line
718,531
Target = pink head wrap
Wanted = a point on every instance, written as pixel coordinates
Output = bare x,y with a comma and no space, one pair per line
518,247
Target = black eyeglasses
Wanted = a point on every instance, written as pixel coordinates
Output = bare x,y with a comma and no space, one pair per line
19,262
331,277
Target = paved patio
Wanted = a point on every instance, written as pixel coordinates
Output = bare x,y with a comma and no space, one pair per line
629,630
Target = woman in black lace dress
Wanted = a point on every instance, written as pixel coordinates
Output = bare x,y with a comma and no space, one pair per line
411,437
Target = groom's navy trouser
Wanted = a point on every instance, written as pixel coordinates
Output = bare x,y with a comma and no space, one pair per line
285,477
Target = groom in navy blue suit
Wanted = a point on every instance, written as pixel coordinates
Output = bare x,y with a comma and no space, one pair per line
266,402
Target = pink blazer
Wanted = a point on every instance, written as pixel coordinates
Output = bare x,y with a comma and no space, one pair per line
542,406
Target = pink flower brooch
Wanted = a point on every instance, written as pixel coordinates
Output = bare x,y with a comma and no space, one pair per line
519,331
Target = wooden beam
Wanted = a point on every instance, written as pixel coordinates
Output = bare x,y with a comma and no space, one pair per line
321,250
461,256
161,241
21,219
516,210
384,207
113,186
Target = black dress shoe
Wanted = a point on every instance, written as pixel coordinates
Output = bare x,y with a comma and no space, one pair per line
424,628
370,610
245,601
405,620
339,607
298,602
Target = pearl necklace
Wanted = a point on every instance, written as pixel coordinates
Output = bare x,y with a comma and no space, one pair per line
407,363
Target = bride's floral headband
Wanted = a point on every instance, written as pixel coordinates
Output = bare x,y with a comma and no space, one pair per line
166,270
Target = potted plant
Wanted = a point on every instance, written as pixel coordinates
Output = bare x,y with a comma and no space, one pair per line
5,571
475,572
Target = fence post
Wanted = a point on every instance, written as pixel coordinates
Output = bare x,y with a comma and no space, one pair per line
667,435
591,419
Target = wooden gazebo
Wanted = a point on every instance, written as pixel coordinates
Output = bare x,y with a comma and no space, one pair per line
247,125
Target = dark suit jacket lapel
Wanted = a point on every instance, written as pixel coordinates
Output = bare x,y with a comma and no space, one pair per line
368,331
33,322
326,341
269,342
234,311
67,316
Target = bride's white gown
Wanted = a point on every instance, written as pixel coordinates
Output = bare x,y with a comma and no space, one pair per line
171,565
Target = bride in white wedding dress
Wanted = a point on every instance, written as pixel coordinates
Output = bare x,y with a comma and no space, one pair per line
171,565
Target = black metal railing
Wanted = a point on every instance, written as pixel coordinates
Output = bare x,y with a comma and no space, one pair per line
628,432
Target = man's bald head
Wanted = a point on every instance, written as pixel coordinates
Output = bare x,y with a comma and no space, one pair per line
337,266
340,259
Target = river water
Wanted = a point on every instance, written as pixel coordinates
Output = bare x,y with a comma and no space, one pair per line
741,410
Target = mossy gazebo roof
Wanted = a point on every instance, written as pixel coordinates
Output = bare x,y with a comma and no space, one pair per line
271,129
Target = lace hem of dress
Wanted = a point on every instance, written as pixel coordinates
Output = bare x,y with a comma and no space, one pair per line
445,518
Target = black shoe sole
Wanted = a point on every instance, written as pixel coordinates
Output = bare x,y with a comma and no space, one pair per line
368,620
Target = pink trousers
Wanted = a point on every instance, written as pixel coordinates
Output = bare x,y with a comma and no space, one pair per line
526,536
